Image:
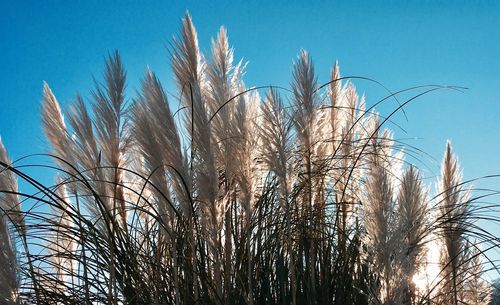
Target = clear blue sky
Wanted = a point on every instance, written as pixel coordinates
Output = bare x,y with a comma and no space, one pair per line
399,43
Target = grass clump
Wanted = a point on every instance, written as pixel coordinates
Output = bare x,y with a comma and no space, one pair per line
245,200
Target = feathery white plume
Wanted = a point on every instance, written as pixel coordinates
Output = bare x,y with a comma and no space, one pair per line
453,212
112,131
9,213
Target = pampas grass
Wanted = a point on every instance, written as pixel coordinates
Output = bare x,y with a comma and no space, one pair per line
9,213
296,196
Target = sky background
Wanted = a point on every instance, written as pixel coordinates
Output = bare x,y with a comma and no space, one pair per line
400,44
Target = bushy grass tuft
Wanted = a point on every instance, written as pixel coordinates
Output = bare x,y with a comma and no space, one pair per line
298,196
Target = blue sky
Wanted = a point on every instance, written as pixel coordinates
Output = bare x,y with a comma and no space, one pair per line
400,44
